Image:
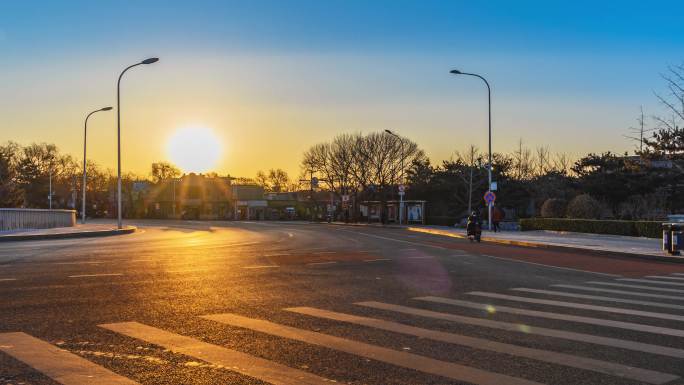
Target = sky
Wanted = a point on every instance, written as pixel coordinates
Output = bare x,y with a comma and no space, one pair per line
271,78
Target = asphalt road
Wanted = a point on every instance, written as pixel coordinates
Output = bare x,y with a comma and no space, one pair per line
290,303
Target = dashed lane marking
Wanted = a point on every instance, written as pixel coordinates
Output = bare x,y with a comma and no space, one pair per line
609,368
260,267
527,329
96,275
377,260
58,364
321,263
600,298
239,362
557,316
7,279
399,358
574,305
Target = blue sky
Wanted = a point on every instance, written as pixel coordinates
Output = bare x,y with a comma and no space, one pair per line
272,77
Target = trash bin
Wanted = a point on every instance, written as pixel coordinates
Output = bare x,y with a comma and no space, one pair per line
667,237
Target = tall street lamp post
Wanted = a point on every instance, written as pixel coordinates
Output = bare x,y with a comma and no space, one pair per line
401,193
118,134
489,165
85,136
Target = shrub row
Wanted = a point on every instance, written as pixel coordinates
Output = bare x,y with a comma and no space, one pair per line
650,229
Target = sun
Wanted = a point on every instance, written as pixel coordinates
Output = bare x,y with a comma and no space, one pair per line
194,149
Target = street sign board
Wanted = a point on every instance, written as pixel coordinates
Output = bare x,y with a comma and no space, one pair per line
345,198
314,182
494,186
489,197
401,193
402,188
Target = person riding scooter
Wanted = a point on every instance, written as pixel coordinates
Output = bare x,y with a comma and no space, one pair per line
474,227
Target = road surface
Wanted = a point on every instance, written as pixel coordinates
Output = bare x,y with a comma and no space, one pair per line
295,303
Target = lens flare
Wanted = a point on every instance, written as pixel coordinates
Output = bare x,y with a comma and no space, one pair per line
194,149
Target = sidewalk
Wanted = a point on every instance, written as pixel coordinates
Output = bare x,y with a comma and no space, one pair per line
610,244
78,231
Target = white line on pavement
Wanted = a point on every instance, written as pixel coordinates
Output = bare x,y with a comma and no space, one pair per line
260,267
664,277
239,362
574,305
377,260
407,360
609,368
96,275
677,273
637,287
321,263
527,329
80,263
557,316
7,279
327,252
613,291
651,281
58,364
600,298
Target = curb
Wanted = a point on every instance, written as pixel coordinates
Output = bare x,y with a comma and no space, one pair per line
538,245
78,234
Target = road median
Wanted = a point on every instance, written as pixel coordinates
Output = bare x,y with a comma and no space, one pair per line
65,233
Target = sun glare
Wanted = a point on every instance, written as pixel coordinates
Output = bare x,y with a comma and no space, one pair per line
194,149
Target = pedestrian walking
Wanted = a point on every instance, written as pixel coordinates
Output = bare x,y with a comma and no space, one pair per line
497,216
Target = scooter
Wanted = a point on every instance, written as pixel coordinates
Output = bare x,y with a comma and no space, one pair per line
475,233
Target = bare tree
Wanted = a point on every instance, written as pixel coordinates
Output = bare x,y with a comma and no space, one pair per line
164,170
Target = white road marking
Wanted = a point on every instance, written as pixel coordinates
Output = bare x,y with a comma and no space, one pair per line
651,281
321,263
526,329
260,267
96,275
58,364
552,267
377,260
7,279
557,316
613,291
665,277
609,368
638,287
239,362
601,298
396,240
399,358
80,263
186,271
574,305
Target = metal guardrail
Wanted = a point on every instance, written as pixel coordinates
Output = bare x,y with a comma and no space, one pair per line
21,219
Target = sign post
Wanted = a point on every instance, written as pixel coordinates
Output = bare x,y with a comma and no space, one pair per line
490,197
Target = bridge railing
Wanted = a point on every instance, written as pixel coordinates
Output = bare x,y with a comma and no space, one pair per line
20,219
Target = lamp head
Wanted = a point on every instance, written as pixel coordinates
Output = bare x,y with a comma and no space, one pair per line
106,109
150,60
455,72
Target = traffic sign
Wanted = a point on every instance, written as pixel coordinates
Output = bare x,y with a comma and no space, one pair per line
345,198
402,188
489,197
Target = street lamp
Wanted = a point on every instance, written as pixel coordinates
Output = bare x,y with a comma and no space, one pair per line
401,193
118,133
85,136
489,165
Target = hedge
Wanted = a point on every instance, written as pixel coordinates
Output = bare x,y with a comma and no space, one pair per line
649,229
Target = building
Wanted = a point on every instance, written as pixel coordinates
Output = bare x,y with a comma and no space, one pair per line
192,196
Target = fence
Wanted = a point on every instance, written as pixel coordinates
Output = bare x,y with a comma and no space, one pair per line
16,219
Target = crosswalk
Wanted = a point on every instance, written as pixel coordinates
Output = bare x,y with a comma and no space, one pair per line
612,318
